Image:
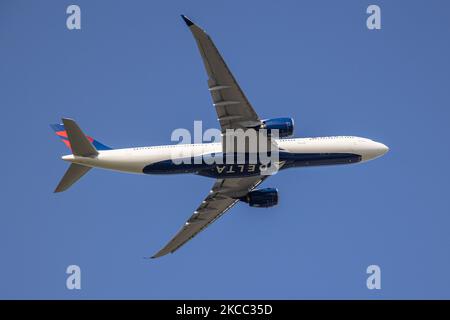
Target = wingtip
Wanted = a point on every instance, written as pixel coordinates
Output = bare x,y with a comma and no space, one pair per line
187,20
160,253
59,189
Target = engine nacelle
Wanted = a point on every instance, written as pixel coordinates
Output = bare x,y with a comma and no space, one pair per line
262,198
285,126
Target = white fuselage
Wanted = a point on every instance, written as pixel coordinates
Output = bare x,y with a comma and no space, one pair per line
134,160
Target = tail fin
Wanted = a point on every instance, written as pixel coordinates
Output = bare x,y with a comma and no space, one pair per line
81,146
60,131
72,175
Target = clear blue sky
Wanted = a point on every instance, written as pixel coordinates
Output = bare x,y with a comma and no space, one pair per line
133,74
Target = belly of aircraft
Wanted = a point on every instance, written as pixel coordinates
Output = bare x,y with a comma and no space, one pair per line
236,169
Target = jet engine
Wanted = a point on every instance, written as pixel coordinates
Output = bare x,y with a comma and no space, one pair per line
285,126
262,198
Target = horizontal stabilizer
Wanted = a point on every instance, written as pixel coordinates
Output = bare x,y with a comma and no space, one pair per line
62,134
81,146
72,175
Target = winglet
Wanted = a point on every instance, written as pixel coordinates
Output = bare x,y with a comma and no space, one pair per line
187,20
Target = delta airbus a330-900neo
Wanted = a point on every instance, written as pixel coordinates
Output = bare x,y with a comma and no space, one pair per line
233,182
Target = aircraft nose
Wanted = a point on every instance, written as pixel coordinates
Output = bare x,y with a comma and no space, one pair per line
378,149
374,150
383,148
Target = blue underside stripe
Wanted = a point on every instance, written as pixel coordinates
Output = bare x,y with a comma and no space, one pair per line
197,166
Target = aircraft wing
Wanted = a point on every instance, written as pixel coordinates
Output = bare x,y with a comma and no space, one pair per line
232,107
222,197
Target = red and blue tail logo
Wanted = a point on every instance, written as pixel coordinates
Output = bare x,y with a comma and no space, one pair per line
61,132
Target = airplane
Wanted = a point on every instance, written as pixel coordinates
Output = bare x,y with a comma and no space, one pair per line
233,183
